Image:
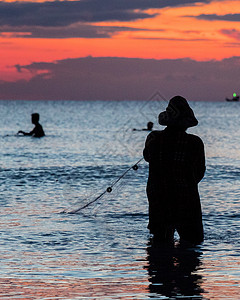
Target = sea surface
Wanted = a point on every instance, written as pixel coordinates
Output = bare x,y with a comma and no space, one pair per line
103,251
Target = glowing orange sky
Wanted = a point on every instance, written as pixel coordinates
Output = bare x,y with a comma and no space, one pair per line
171,34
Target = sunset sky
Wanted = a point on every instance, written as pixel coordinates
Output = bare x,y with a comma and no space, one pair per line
77,49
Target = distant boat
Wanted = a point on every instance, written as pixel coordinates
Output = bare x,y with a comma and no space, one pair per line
234,98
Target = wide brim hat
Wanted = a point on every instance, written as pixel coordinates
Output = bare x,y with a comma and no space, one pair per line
178,113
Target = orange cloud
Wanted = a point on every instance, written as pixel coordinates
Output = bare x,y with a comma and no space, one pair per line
173,32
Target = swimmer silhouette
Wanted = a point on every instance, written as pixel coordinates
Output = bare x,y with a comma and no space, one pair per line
149,127
176,166
37,130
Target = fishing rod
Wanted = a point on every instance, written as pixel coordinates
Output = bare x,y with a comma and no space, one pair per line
108,189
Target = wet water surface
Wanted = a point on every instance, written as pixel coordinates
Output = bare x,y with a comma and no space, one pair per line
103,252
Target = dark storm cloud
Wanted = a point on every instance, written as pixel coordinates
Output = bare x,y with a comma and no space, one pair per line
103,78
72,31
214,17
64,13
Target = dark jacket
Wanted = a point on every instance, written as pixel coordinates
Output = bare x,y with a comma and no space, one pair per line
176,166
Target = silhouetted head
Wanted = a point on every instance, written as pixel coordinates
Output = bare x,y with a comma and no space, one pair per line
35,118
150,125
178,114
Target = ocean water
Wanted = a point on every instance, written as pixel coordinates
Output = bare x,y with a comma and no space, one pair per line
103,251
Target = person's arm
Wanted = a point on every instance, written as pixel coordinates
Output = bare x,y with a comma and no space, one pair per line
149,140
26,133
199,166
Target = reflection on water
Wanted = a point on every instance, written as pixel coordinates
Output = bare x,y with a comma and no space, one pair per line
89,288
173,272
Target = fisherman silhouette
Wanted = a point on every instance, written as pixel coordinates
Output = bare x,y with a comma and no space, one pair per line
176,166
37,130
149,127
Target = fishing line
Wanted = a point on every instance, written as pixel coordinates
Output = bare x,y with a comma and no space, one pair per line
108,189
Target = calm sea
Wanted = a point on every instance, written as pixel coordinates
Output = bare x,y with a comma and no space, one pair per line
103,251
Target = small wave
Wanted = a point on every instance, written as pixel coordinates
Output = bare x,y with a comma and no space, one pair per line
222,172
127,215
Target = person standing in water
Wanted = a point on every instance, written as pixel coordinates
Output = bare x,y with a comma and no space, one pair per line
176,166
149,127
37,130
